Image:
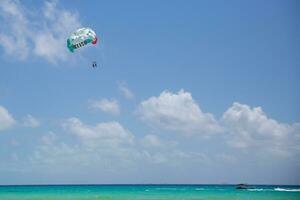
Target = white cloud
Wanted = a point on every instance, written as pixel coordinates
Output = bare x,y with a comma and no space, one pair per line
14,28
6,119
227,158
152,141
154,150
251,128
42,34
30,121
105,131
105,146
177,112
127,93
50,42
49,138
106,105
241,126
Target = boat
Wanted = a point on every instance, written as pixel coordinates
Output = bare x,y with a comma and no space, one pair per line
242,186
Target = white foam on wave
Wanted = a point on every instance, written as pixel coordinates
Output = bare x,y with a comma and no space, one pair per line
256,190
170,188
287,190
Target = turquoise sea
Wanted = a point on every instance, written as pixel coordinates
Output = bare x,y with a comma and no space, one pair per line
147,192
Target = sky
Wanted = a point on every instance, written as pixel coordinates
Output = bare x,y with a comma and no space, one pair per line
184,92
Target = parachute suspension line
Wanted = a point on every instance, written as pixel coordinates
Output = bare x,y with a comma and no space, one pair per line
100,53
85,37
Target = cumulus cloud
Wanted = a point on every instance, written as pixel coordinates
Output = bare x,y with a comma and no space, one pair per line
177,112
42,34
109,146
127,93
105,131
153,141
251,128
49,138
158,151
14,28
6,119
30,121
227,158
106,146
240,126
106,105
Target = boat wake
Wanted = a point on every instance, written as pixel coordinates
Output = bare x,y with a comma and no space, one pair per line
286,190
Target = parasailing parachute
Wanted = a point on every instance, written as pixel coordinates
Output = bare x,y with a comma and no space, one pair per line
80,38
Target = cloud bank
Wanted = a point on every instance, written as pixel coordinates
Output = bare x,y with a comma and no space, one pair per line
240,126
242,135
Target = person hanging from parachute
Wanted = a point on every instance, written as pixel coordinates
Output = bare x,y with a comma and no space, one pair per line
82,37
94,64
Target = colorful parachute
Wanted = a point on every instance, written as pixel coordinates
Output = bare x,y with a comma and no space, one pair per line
80,38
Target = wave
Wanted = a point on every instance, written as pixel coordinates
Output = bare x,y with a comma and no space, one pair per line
171,188
287,190
257,190
275,189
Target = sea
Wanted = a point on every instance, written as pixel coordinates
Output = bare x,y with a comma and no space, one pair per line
148,192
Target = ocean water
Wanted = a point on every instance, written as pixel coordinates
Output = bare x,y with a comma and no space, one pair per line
148,192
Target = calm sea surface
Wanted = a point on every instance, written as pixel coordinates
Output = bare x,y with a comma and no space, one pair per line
147,192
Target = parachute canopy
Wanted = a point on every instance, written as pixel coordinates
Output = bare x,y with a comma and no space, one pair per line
80,38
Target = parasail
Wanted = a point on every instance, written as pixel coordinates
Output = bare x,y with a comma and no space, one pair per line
80,38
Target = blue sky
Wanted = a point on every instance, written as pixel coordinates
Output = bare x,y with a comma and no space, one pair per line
197,92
